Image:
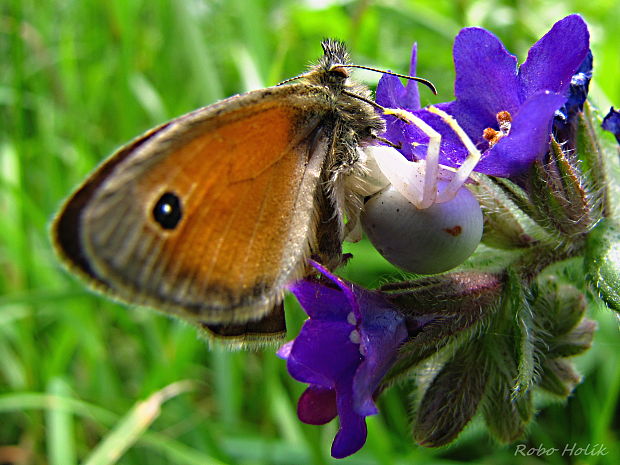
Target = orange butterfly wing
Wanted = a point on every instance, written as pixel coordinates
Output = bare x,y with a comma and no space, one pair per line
246,171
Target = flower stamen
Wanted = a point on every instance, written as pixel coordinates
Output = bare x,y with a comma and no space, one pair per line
504,120
492,136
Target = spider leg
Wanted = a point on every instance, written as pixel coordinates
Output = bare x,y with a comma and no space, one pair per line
462,173
431,173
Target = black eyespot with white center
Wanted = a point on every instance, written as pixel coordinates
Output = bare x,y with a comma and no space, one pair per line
167,211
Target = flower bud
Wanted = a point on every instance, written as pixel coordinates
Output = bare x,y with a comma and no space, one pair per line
558,307
558,191
575,342
559,377
561,331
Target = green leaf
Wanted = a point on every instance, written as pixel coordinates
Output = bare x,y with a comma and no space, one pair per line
133,425
518,314
602,262
446,308
60,427
502,222
507,405
592,152
506,416
452,399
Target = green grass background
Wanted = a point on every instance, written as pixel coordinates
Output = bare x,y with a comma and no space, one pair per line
80,77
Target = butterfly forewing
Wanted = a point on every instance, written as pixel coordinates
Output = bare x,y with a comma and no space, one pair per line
244,172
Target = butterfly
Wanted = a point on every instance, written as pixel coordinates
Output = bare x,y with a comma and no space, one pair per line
209,216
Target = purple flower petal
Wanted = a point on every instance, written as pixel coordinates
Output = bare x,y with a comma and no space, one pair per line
486,78
305,374
402,135
411,99
284,352
564,125
552,61
383,331
320,301
345,287
352,433
390,92
611,123
579,87
528,138
473,122
414,143
313,357
317,405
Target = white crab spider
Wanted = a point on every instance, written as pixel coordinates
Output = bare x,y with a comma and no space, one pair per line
426,220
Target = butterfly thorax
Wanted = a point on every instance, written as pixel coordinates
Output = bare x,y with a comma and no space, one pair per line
350,124
355,120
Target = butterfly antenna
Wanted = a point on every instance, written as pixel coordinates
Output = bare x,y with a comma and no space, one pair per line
426,82
292,79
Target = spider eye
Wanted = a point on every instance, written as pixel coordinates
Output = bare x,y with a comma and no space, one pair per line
427,241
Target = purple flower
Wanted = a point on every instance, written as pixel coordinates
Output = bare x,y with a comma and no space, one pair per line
505,109
611,123
392,94
578,91
343,351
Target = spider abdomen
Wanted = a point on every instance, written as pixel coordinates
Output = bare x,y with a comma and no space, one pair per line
423,241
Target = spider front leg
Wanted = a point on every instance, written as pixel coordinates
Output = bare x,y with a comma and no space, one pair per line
426,221
467,167
422,185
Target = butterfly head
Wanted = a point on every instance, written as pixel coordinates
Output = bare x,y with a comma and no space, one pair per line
331,70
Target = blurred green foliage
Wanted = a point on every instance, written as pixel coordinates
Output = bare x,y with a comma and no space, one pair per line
77,79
